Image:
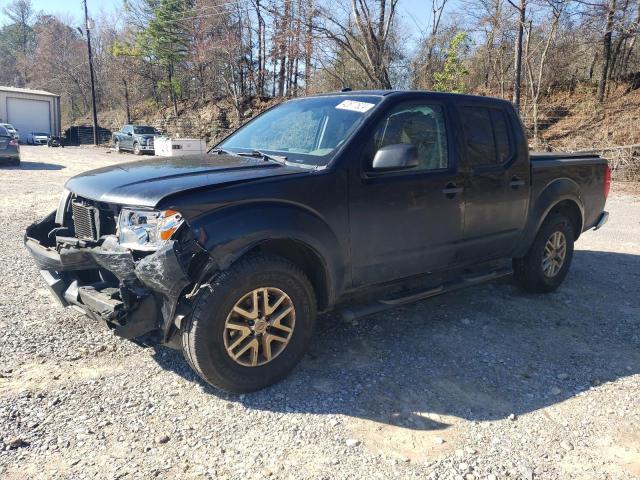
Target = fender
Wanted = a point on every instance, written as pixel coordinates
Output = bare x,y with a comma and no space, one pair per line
555,192
230,232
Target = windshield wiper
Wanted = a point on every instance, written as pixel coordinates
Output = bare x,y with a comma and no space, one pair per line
220,151
265,156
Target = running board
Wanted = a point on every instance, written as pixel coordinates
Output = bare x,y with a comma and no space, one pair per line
357,311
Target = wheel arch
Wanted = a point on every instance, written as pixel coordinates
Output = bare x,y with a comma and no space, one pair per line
305,257
560,196
290,231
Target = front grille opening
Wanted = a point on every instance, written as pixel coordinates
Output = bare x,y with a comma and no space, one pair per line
91,220
84,221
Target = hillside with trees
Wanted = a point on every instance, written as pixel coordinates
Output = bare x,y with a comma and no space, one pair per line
572,67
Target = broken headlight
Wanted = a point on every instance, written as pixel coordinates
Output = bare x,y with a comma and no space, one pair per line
146,229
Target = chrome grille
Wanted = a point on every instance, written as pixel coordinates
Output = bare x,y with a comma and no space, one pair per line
84,221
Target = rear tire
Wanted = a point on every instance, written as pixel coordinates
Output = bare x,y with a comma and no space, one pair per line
215,326
547,262
117,147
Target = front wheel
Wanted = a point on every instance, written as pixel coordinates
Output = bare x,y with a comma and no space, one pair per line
251,325
547,262
136,149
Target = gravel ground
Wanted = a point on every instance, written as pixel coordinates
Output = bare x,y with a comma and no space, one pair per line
484,383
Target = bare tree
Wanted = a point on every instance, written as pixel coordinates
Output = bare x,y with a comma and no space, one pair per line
606,49
517,68
536,72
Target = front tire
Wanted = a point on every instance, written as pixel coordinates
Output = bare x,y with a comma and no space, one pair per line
547,262
136,149
251,325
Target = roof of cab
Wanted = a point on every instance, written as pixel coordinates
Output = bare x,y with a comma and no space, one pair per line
384,93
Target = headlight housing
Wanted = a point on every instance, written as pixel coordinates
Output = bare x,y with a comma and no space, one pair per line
146,229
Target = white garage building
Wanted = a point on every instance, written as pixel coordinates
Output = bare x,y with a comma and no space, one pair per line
30,110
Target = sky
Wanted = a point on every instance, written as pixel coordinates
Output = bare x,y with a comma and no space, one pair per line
414,14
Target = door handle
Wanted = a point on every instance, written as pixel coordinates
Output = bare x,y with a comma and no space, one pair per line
516,183
451,190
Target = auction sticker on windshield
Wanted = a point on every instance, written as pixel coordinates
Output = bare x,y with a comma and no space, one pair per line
355,106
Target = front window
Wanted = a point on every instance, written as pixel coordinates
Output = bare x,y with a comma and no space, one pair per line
144,130
308,130
421,124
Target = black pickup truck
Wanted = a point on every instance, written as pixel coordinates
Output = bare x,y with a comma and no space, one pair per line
360,201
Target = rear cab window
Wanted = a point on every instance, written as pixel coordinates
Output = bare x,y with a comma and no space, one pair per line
487,136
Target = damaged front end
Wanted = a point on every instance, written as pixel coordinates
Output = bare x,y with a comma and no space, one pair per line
126,267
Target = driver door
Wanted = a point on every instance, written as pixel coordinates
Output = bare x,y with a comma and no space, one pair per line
407,222
127,138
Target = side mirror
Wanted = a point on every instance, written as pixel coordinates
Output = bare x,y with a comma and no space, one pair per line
129,134
396,157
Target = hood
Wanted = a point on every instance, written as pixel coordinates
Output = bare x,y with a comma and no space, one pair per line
146,182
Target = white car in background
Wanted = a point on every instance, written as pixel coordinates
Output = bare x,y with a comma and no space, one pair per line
12,130
38,138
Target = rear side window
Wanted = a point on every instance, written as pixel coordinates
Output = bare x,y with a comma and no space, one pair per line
501,133
486,135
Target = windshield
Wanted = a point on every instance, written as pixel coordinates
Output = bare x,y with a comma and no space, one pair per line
144,130
307,130
3,131
40,134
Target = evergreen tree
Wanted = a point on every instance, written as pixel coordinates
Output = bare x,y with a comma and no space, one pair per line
451,77
165,40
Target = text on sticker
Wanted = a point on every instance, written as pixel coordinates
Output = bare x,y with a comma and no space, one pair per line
355,106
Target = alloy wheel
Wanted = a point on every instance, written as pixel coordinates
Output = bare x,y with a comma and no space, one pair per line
555,252
259,326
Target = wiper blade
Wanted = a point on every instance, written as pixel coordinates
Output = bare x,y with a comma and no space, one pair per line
265,156
220,151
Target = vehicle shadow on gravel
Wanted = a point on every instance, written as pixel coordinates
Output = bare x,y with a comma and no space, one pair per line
481,354
39,166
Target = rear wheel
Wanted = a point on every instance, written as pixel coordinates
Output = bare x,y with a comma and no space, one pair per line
117,147
251,325
547,262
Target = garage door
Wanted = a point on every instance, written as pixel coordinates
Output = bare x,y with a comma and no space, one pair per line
28,116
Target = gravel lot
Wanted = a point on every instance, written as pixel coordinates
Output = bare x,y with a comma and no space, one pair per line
484,383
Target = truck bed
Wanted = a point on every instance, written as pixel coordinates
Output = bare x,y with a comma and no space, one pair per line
586,170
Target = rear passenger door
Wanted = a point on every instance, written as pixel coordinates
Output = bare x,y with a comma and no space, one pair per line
497,181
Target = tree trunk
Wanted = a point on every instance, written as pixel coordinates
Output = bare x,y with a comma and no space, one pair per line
517,77
308,46
261,66
284,34
126,99
606,50
172,92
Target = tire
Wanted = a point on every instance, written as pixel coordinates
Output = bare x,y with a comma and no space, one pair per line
117,147
136,149
206,337
532,272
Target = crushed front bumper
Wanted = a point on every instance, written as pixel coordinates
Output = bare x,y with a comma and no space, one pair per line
133,294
